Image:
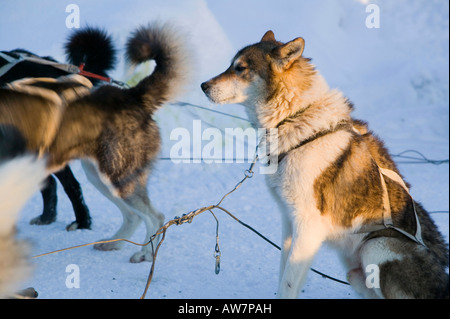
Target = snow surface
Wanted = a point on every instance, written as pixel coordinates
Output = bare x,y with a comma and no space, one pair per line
396,75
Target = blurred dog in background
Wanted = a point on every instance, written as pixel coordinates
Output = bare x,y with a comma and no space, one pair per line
93,48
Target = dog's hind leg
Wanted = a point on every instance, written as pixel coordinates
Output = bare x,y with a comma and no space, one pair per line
357,279
307,237
75,194
50,200
130,220
153,220
134,206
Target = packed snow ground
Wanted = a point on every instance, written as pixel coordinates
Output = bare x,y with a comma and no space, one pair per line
396,75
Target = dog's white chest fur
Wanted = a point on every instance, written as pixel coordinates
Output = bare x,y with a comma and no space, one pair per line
297,173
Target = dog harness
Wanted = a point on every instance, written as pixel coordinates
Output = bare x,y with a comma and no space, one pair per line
11,62
387,217
338,127
375,230
17,57
60,92
80,86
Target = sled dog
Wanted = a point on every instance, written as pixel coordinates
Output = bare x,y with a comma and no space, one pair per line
21,175
335,182
92,47
110,129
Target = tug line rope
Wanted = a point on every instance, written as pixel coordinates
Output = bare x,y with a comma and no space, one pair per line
187,218
409,159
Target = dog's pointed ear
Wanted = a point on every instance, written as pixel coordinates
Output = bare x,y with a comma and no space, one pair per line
287,53
268,36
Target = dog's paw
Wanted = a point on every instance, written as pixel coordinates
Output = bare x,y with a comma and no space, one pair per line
141,256
40,220
76,225
355,276
72,226
116,245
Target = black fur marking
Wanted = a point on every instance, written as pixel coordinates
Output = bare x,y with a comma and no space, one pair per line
12,142
94,47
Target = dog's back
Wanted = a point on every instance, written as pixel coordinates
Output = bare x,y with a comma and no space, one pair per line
35,107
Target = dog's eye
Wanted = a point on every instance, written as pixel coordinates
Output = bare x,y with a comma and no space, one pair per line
239,68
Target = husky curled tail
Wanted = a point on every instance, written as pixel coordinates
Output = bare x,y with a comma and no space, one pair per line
20,178
163,44
122,139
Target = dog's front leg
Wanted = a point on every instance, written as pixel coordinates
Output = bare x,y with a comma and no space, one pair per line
286,226
286,242
307,238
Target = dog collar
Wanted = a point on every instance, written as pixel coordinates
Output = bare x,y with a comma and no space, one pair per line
289,118
338,127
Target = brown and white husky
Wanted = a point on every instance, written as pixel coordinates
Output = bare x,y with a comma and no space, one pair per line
335,180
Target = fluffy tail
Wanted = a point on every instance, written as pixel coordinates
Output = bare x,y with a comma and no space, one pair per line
19,179
93,47
162,43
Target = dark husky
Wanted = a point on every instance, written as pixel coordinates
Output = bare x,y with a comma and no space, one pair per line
112,129
95,49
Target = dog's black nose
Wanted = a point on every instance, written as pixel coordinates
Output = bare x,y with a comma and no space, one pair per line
205,86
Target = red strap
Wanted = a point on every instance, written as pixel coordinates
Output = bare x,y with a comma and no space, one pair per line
93,75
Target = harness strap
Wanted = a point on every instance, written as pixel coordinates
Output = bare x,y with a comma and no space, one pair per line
11,62
47,88
30,86
387,215
292,117
92,75
338,127
69,68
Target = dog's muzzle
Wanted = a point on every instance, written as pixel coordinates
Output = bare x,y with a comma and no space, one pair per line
205,87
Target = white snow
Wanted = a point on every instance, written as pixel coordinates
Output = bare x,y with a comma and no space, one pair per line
396,75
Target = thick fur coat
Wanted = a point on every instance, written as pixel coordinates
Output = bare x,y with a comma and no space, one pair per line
328,183
111,129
